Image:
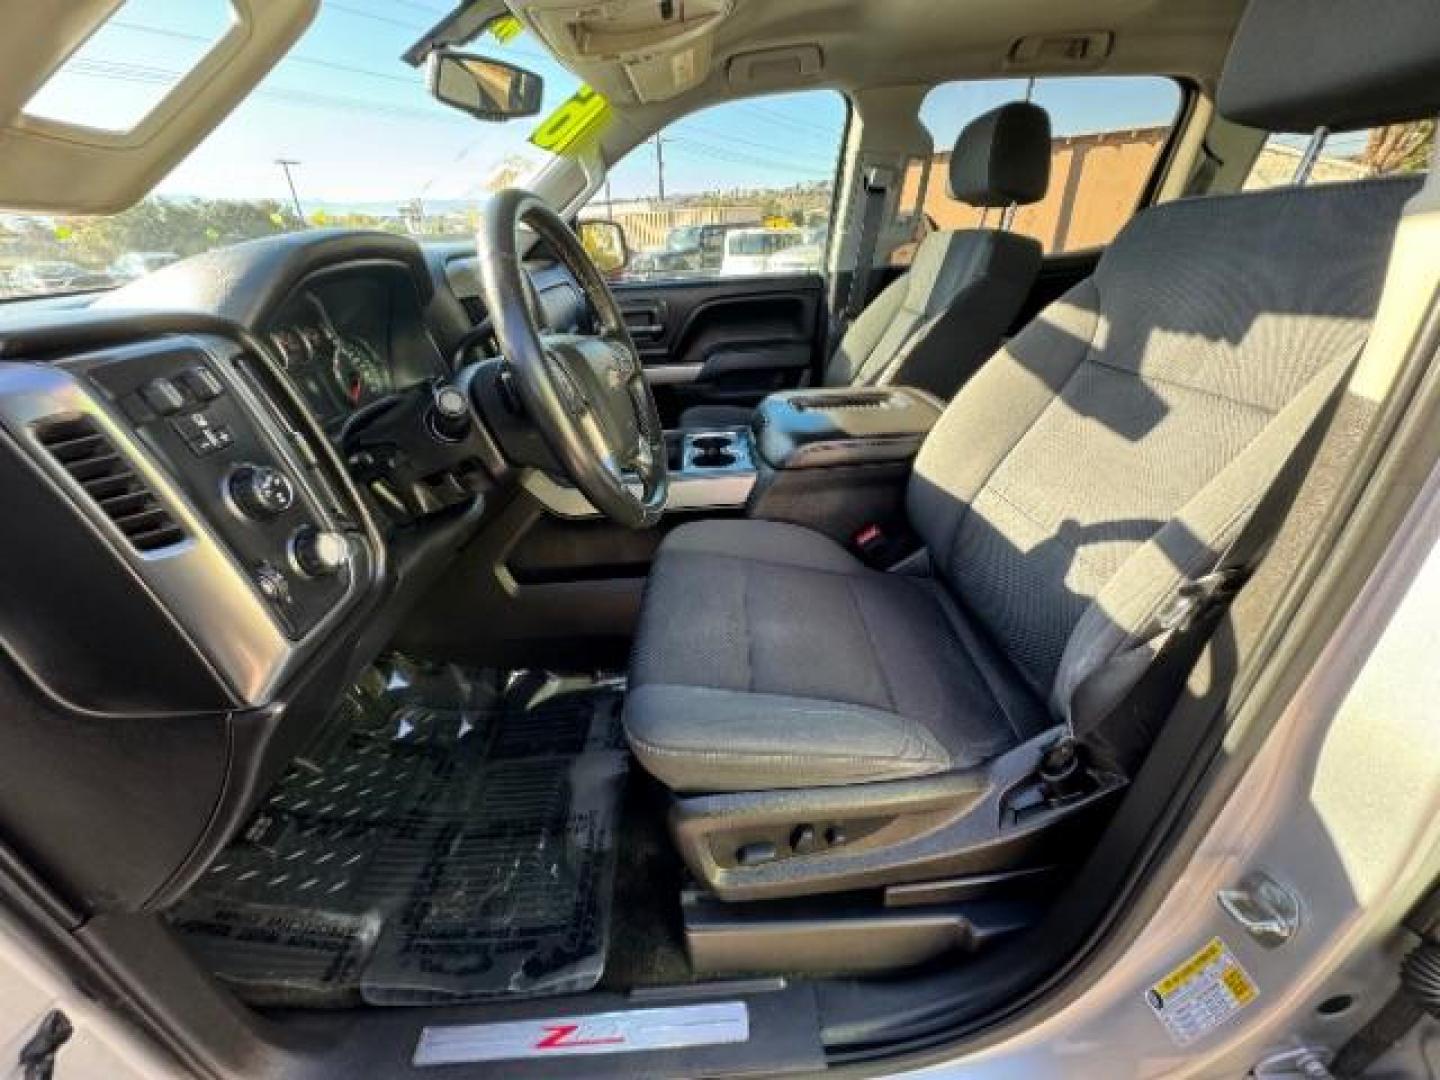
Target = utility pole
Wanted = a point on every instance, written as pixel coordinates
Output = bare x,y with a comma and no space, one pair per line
659,142
285,164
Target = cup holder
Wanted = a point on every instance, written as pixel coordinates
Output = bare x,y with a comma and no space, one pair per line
712,451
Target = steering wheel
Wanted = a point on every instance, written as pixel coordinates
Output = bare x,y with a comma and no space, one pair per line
587,394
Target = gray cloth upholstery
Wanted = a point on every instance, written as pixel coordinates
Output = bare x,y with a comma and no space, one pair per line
1002,157
1296,65
935,325
938,322
769,657
1102,459
1088,467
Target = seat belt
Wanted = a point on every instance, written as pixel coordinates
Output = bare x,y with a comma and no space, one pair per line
875,187
1180,630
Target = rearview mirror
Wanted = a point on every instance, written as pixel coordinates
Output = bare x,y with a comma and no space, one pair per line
484,88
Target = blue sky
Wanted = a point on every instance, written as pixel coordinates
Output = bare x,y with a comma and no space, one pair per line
366,131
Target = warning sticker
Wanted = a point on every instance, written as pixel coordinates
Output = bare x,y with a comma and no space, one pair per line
1201,994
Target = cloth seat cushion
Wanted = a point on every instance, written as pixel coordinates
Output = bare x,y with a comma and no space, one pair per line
769,657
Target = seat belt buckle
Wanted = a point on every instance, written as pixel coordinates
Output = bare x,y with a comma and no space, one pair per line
869,539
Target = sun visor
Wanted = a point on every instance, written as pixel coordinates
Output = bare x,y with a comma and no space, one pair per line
53,165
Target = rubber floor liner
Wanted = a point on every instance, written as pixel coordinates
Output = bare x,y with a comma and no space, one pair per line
445,841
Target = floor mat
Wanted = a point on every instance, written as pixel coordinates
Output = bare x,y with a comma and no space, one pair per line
448,840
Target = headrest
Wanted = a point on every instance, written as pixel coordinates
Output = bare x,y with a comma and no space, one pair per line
1002,157
1296,65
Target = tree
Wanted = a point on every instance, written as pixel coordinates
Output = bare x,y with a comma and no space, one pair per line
1399,148
184,226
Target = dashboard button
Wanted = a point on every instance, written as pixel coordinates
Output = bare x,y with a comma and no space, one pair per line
260,492
272,584
203,383
318,552
163,396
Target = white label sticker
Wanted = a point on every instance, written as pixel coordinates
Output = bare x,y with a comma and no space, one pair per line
1202,993
601,1033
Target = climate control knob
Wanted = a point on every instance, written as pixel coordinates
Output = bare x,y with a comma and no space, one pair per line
318,552
260,492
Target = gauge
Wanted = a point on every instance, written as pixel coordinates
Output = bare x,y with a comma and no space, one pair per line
360,372
317,343
290,346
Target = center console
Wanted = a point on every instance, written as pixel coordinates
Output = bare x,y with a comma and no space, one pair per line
838,460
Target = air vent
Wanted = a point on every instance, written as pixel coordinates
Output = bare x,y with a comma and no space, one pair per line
88,455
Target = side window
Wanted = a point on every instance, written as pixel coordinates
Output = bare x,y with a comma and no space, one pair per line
1107,134
737,189
1349,155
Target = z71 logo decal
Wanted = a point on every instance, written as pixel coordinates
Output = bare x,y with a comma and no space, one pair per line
601,1033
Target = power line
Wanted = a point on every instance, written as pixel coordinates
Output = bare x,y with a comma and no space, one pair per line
740,157
712,133
137,73
313,61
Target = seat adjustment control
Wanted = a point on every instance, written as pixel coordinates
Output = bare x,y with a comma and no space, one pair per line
260,492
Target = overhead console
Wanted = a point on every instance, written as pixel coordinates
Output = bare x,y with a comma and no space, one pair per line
663,47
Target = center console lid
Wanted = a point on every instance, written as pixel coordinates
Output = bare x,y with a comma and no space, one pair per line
827,428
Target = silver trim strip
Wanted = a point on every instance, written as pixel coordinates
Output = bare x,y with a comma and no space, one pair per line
671,374
623,1032
722,491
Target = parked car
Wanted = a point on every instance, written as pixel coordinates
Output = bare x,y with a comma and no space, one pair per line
42,277
134,264
752,251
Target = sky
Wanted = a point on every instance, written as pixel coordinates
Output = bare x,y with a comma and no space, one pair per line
365,130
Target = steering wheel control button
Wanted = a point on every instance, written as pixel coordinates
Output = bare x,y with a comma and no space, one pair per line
449,414
203,383
163,396
318,552
260,492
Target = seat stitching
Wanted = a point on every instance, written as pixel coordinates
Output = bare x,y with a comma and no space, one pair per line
1086,349
745,628
870,641
1049,528
753,756
1146,377
859,570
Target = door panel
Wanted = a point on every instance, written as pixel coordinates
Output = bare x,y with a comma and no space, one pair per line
724,341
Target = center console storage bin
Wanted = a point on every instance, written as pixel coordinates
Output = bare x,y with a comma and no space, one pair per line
838,460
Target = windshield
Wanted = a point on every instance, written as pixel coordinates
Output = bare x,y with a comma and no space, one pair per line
341,133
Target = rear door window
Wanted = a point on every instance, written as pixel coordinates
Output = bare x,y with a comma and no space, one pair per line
1107,132
1393,150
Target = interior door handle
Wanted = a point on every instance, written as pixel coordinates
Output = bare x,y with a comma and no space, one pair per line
645,320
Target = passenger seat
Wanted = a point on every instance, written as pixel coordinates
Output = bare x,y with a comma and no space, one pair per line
936,324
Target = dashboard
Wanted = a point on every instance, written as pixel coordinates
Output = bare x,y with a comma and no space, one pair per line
196,563
352,335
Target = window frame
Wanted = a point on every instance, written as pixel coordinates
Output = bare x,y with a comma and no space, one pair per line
836,174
